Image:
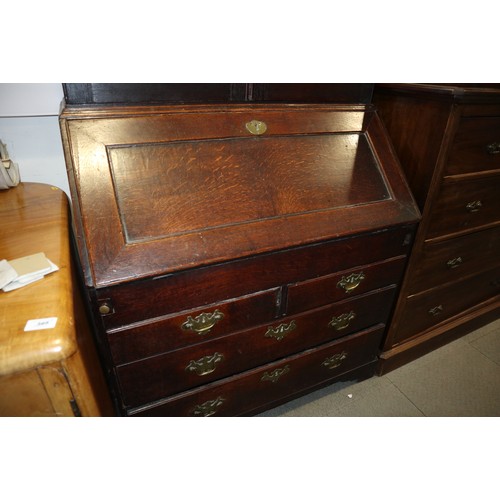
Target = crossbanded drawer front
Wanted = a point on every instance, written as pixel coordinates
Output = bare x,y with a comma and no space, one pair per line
192,326
456,258
130,303
426,310
476,146
320,291
244,392
182,369
465,205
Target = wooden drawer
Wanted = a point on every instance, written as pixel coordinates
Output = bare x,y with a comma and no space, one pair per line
426,310
476,146
247,391
174,331
320,291
154,298
166,374
465,204
455,258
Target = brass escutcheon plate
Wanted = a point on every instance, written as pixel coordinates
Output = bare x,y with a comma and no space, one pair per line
256,127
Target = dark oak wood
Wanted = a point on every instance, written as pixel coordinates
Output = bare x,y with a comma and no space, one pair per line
212,247
456,181
151,93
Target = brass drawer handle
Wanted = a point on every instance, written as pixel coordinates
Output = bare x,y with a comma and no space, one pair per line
474,206
275,374
256,127
454,263
436,311
208,408
334,361
493,148
205,365
203,323
342,321
349,283
281,331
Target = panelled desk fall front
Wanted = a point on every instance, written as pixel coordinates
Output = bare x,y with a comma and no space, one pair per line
48,372
235,255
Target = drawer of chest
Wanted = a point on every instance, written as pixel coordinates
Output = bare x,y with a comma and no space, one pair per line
464,205
428,309
326,289
160,376
456,258
193,326
243,393
476,146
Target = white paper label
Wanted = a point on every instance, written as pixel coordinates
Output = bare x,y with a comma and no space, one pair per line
40,324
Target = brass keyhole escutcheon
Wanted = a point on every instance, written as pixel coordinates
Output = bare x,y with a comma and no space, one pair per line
256,127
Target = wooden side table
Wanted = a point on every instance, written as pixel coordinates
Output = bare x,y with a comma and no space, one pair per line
56,371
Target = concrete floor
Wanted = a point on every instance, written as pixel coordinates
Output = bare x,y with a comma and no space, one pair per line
460,379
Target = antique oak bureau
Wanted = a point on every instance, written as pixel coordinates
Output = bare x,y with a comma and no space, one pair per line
448,140
236,254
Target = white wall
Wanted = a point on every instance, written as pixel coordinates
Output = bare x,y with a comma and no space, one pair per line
29,127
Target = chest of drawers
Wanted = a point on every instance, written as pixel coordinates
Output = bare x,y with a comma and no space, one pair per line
448,140
235,256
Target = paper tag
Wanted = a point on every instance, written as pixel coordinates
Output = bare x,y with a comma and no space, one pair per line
40,324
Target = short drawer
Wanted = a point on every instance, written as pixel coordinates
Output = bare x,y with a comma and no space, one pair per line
169,373
476,146
426,310
192,327
244,392
320,291
464,205
456,258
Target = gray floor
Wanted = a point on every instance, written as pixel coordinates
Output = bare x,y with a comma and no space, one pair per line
459,379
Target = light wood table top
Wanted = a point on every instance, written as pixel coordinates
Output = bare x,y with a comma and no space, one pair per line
35,218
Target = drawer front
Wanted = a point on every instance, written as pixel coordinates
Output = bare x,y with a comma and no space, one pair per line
465,205
427,310
145,299
455,259
192,326
476,146
163,375
244,392
320,291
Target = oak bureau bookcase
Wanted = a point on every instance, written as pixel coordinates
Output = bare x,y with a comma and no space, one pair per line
241,244
447,138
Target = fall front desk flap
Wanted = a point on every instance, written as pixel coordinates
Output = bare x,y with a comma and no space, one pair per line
160,189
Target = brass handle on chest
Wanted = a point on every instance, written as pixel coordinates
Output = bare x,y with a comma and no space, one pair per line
203,323
436,311
208,408
205,365
334,361
342,321
349,283
493,148
275,374
281,331
454,263
474,206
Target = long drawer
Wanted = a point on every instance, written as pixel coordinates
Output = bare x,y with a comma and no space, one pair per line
455,258
428,309
169,373
242,393
464,205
